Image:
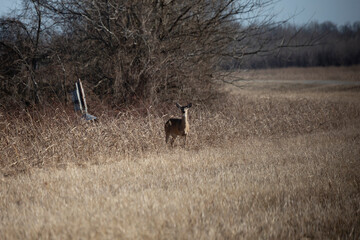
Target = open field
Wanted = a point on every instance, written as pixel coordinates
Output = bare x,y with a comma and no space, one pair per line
272,161
312,73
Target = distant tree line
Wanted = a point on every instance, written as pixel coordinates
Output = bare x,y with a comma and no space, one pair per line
334,46
127,52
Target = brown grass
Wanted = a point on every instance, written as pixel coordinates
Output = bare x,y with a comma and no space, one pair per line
265,163
350,73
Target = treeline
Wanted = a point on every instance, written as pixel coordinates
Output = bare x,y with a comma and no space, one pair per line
128,52
334,46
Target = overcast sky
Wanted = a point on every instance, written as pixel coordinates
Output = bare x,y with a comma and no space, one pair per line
337,11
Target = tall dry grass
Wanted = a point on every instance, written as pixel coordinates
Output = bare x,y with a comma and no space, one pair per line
257,165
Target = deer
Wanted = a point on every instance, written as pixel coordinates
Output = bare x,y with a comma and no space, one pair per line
178,126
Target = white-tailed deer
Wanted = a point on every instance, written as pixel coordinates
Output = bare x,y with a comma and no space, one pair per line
178,126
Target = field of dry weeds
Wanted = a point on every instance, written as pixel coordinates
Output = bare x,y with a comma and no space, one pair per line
272,161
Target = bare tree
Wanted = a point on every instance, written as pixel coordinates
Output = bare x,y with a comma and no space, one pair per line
20,46
138,49
149,50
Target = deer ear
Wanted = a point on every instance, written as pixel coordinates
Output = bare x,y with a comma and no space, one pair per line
178,105
189,105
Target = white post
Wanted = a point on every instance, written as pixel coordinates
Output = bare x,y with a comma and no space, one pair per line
79,96
83,96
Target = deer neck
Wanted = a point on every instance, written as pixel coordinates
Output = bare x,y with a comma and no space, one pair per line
184,122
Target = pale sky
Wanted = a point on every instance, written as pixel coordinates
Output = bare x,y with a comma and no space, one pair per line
337,11
6,5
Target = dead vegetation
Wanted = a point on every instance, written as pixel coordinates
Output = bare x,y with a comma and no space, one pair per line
349,73
260,164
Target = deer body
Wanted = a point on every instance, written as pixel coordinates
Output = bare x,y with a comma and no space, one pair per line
178,127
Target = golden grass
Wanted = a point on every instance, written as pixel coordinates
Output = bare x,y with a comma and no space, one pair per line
261,164
350,73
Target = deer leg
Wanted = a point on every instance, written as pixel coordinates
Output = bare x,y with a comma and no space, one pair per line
167,138
172,140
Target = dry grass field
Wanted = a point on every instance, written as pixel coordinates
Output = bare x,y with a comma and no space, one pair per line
271,161
311,73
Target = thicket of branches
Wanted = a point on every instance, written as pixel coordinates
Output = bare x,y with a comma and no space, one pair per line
130,51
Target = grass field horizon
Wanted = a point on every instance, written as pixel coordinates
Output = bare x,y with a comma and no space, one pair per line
268,161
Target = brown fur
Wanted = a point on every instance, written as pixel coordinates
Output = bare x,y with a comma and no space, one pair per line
178,127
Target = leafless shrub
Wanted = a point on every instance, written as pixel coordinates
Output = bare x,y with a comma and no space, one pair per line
46,138
128,52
